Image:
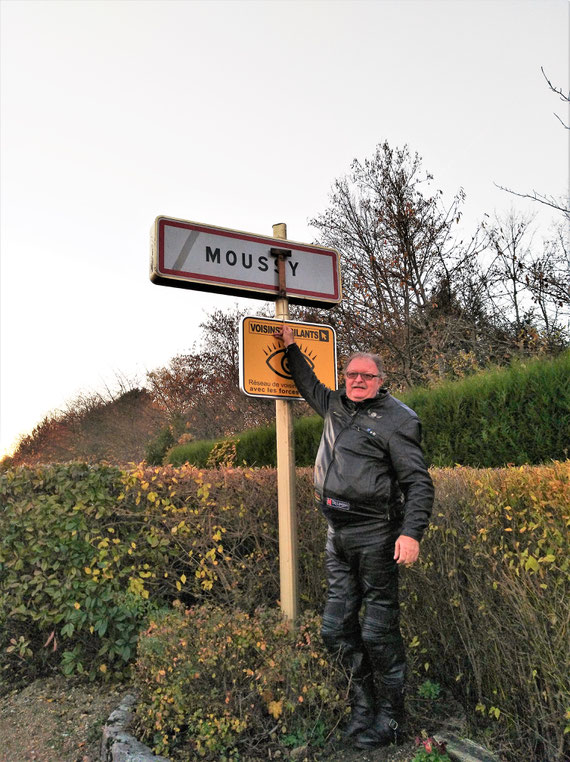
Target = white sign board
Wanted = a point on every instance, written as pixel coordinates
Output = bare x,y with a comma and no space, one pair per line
193,255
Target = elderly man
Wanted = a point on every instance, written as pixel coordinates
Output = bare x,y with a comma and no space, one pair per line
375,491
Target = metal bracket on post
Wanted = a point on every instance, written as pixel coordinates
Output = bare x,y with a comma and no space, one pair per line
281,255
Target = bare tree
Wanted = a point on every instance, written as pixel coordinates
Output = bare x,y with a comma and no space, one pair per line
547,277
529,281
401,262
510,240
202,387
564,97
548,200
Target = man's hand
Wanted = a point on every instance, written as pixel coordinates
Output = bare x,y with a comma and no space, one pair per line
285,333
407,550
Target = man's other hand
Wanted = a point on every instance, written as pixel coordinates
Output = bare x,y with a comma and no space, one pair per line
407,550
285,333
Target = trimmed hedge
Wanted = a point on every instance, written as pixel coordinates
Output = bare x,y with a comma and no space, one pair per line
254,448
485,615
65,596
86,552
515,416
519,415
488,604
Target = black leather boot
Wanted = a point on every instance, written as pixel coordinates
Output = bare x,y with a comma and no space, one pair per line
383,732
363,706
387,726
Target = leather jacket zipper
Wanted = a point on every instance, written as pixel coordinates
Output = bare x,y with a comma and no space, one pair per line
340,433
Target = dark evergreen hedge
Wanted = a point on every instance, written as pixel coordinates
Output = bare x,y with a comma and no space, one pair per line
517,415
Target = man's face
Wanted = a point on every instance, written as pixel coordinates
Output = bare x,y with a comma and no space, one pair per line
359,388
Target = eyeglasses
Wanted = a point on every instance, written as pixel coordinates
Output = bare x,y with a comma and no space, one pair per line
352,376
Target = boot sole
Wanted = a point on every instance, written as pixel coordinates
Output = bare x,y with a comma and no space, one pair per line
373,744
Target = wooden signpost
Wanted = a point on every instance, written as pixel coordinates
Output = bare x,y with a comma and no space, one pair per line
192,255
286,488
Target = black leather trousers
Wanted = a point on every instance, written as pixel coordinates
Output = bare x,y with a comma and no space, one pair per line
361,572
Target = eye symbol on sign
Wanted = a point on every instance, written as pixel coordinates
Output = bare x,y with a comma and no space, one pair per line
279,363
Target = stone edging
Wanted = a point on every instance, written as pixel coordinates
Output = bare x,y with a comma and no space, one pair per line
464,750
117,745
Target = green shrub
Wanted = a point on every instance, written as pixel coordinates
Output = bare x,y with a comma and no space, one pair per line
429,690
307,438
63,592
213,535
205,535
216,684
485,611
87,551
257,447
156,449
254,448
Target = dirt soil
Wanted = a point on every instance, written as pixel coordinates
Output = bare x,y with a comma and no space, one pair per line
55,719
59,719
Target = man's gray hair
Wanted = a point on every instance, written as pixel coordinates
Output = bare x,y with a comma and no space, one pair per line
376,359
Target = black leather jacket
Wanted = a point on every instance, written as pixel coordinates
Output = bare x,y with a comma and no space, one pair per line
370,461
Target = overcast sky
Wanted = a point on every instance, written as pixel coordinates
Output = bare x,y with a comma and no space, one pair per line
238,114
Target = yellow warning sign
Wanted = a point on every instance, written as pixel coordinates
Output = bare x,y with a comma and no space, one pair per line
264,371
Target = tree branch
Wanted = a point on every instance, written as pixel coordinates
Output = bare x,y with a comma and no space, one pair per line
558,91
537,197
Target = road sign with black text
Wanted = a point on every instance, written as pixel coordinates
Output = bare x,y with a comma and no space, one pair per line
196,256
264,370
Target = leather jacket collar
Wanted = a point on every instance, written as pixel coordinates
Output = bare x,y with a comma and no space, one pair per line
364,404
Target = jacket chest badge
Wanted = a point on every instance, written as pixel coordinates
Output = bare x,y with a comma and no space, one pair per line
340,505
